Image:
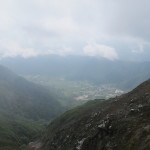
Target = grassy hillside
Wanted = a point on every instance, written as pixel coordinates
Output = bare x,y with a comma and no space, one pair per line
119,123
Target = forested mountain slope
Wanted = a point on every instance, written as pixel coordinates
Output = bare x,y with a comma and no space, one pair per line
24,107
21,98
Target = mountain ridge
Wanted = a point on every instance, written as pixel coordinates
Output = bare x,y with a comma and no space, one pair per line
118,123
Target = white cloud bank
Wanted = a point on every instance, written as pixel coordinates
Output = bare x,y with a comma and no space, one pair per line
13,49
40,27
101,51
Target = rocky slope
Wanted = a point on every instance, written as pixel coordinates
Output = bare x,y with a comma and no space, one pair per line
121,123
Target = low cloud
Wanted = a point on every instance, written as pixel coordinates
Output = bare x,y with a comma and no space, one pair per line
138,49
99,50
13,49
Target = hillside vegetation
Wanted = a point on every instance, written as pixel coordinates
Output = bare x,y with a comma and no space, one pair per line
16,134
24,109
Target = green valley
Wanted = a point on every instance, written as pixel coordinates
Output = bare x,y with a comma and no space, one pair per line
77,90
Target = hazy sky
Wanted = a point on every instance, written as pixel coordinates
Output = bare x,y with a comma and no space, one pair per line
113,29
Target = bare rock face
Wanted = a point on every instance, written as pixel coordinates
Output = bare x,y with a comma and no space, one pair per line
34,145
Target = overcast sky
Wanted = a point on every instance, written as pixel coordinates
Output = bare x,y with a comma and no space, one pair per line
113,29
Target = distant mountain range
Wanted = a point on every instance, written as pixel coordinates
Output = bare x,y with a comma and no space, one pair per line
120,123
125,75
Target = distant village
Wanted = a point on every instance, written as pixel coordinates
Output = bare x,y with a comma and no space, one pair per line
97,92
